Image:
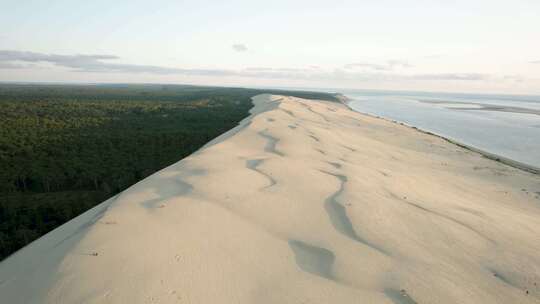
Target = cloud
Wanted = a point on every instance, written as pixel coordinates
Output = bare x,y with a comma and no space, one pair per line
434,56
7,65
278,70
389,65
61,59
95,63
385,77
451,76
377,67
348,75
398,64
514,78
360,72
240,47
258,69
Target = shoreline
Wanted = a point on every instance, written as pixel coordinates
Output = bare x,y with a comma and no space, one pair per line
492,156
305,201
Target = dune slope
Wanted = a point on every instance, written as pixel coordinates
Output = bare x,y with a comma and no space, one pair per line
304,202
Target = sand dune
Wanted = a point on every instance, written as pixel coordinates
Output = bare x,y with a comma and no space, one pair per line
303,202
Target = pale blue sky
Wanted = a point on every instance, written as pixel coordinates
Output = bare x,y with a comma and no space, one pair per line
464,46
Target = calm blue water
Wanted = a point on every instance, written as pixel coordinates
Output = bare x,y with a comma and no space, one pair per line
466,118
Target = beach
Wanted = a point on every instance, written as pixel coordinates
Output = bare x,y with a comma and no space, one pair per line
304,202
502,126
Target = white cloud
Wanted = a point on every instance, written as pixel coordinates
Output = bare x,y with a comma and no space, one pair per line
451,76
434,56
359,72
389,65
8,65
93,63
240,47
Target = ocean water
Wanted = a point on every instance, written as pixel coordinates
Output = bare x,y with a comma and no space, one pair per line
508,126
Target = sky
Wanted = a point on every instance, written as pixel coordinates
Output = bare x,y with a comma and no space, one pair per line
436,45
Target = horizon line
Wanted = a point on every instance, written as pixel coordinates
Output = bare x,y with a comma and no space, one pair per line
314,89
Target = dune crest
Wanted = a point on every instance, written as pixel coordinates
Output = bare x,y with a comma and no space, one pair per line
304,202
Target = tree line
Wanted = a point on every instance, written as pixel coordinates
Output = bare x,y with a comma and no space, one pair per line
66,148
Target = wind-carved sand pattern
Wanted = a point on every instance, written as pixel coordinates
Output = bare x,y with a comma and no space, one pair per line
451,219
349,148
335,164
290,113
173,187
338,214
312,259
270,146
317,113
399,296
320,151
183,188
314,138
503,278
253,165
294,207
